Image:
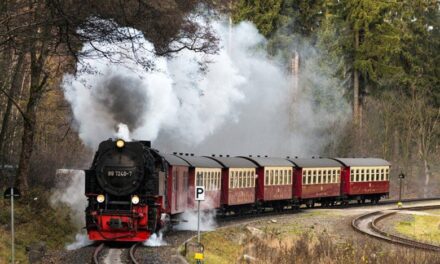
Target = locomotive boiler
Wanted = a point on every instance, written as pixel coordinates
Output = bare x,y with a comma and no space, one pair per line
124,189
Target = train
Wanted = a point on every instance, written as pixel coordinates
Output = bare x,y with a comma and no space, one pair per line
133,190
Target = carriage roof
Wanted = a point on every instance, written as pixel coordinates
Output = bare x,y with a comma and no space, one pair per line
354,162
314,162
234,162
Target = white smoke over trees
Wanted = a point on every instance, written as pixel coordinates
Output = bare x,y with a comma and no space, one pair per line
239,103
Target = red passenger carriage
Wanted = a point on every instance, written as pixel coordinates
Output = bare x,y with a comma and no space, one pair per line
238,183
316,180
204,172
365,178
274,182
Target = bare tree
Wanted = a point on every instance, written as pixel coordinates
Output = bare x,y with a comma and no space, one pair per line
45,31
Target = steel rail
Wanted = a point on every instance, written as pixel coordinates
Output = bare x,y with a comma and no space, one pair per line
132,253
372,229
97,253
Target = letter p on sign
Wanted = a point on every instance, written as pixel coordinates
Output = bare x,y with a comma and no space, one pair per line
199,194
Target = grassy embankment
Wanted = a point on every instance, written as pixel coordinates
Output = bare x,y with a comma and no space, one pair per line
421,227
300,241
35,221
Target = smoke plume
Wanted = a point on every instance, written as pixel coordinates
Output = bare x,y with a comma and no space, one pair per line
240,103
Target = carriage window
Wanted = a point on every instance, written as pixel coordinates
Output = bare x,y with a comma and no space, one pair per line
283,178
271,178
246,179
214,181
352,175
280,181
286,178
266,178
319,177
377,174
230,179
249,181
286,181
290,176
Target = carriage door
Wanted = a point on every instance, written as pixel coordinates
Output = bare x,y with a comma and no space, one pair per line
175,193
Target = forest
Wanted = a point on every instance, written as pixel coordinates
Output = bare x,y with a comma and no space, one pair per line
384,54
369,69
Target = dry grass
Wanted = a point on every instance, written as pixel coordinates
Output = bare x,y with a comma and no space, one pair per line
322,248
240,245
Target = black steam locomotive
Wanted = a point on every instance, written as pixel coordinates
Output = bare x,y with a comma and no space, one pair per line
124,191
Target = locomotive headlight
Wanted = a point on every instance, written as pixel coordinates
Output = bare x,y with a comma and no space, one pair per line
135,199
120,143
100,198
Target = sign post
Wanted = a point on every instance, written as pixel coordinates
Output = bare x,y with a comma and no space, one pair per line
12,193
401,177
199,196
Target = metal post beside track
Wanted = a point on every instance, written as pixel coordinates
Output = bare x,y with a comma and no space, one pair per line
198,221
12,193
199,196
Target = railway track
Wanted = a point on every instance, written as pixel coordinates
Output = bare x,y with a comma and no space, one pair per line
115,254
368,224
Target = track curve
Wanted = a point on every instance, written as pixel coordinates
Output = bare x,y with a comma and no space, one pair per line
132,253
368,224
121,256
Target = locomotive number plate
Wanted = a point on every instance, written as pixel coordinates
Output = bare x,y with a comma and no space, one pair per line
120,172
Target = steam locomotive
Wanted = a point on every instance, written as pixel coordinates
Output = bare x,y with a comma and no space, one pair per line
134,190
124,187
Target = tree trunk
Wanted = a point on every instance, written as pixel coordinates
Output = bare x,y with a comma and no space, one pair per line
427,169
38,81
356,84
17,75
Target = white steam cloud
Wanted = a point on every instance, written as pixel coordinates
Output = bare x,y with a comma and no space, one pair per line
240,104
71,193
